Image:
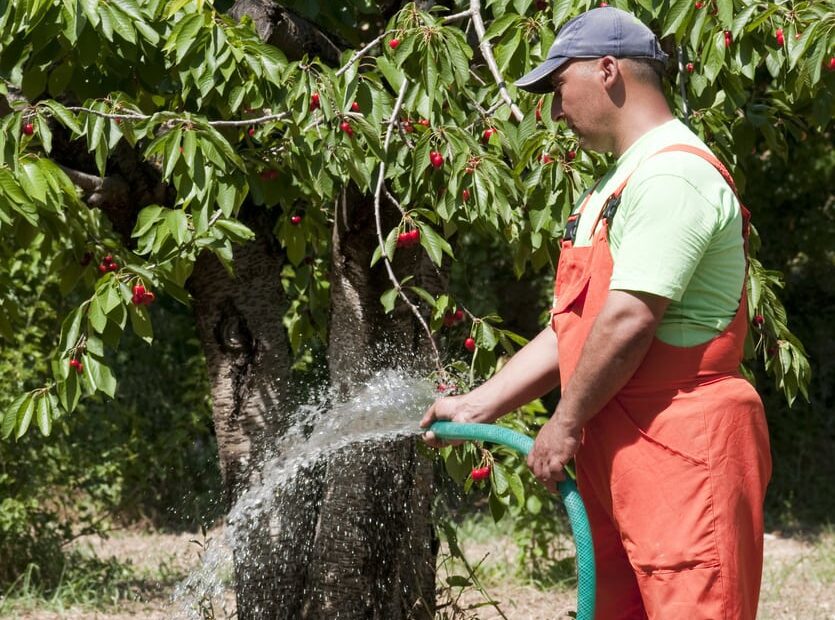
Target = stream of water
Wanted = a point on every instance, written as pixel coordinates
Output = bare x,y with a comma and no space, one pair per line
389,406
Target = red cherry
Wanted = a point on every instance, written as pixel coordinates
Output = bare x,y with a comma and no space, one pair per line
79,366
415,236
149,298
831,65
480,473
28,129
424,122
251,133
355,107
459,314
487,133
570,155
779,35
394,43
295,220
465,195
107,259
314,101
449,319
112,267
690,67
699,5
139,291
541,5
436,159
402,240
407,127
102,268
469,344
728,38
758,320
546,158
346,127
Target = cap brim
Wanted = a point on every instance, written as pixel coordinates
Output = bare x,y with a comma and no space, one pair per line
538,80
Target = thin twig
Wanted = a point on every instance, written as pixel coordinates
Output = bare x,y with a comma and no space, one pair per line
361,52
487,52
394,200
377,220
144,117
456,16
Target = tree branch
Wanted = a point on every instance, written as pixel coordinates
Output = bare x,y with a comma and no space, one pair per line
386,259
487,52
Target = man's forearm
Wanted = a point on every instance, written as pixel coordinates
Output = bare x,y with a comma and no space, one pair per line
616,346
532,372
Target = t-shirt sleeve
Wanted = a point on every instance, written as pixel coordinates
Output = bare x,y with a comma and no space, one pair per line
662,230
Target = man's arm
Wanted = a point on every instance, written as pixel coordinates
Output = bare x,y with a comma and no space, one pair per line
616,346
530,373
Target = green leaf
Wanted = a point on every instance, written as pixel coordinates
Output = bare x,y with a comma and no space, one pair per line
394,76
66,117
141,322
236,231
95,315
11,414
70,329
726,13
102,376
433,243
69,392
388,298
24,416
44,416
32,181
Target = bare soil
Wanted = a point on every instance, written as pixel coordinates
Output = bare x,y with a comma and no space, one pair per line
798,581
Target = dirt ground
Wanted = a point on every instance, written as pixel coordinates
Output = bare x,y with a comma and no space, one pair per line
798,581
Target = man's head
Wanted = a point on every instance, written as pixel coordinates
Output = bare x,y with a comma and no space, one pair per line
604,69
605,31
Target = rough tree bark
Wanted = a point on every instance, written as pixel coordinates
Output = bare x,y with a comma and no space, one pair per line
380,560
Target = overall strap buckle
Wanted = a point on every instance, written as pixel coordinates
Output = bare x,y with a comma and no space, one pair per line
571,227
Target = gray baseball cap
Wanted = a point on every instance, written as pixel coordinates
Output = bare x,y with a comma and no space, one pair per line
604,31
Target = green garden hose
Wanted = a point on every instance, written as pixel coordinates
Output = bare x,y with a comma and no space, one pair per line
586,584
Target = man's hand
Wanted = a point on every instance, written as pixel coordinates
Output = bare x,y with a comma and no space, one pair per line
453,408
554,446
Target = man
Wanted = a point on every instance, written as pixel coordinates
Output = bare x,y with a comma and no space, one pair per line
646,338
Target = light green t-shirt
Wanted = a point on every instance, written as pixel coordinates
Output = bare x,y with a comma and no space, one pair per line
677,233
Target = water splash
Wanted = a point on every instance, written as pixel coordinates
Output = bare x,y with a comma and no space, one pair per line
387,407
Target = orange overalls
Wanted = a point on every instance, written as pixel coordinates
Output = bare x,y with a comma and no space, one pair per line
673,469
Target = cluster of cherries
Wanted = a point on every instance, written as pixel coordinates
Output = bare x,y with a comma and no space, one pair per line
78,365
480,473
408,238
108,264
142,296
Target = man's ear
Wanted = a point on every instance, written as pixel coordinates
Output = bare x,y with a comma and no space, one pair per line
609,71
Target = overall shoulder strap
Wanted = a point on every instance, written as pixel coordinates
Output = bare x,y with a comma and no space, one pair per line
613,202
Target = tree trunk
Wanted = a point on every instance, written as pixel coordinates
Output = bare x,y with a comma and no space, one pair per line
351,537
379,560
239,320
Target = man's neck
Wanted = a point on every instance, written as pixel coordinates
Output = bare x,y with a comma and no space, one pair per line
641,117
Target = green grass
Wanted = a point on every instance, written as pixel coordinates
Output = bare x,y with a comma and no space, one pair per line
85,582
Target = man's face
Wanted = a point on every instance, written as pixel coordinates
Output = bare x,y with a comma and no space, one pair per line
578,99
